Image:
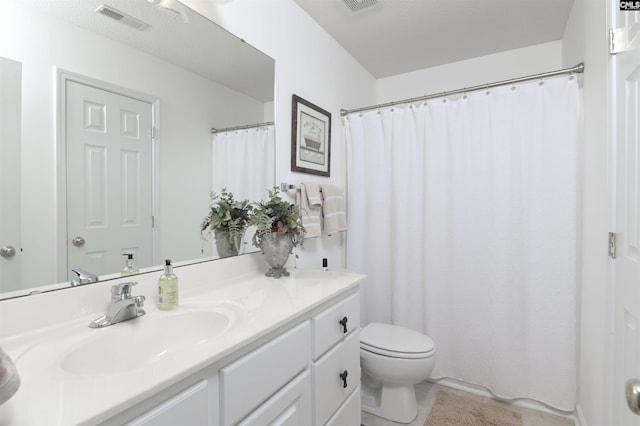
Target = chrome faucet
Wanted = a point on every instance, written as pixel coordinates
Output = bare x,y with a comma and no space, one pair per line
83,277
123,306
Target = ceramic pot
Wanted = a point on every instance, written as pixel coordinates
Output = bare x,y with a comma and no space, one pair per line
227,244
276,249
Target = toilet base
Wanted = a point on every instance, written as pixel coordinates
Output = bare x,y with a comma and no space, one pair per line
392,402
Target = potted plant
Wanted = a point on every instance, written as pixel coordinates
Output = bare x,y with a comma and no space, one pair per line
228,219
278,231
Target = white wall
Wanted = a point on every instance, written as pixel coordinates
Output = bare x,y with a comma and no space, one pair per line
187,114
310,64
472,72
585,39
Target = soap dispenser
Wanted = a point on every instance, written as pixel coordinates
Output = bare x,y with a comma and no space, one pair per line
168,288
129,269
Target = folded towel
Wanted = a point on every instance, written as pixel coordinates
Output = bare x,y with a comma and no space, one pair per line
333,210
9,378
310,203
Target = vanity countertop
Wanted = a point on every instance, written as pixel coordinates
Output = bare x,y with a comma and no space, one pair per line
65,379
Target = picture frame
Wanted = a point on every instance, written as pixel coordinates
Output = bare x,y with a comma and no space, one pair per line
310,138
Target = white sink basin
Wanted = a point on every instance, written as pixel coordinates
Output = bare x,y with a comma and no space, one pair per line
131,344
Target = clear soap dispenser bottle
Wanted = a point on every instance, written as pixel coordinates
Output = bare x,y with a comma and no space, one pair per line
168,288
129,269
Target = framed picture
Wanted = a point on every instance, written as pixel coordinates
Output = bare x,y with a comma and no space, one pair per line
310,138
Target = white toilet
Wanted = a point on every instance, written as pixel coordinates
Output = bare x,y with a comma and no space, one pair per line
393,359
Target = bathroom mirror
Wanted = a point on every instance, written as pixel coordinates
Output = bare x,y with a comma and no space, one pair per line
190,76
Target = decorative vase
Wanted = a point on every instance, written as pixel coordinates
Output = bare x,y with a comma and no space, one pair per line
276,249
227,244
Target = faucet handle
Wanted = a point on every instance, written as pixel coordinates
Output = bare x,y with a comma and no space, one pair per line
122,291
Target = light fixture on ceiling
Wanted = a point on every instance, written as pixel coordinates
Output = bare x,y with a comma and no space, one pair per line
170,8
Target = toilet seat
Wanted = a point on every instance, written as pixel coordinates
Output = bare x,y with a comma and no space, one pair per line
394,341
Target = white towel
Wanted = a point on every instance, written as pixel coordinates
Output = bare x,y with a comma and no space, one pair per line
333,210
310,203
9,378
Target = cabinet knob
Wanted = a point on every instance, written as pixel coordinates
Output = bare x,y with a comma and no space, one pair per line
343,323
343,376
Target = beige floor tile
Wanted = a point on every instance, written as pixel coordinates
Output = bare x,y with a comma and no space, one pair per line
426,395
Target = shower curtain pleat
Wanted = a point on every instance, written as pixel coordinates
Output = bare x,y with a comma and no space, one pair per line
462,212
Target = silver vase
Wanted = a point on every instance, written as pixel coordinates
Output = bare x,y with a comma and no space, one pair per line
227,244
276,249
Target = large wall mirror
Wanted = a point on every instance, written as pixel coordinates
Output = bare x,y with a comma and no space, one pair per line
106,143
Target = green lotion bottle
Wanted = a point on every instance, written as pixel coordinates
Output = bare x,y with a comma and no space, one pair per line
168,288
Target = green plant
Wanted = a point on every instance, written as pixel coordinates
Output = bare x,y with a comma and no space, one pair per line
276,215
226,214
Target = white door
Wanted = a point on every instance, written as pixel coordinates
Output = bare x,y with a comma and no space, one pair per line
626,87
10,138
109,181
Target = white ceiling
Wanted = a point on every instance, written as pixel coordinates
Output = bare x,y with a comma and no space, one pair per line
400,36
174,35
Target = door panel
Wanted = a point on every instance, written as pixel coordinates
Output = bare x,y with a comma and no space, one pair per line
109,178
626,89
10,138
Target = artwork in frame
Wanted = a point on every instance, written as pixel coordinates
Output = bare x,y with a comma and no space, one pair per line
310,138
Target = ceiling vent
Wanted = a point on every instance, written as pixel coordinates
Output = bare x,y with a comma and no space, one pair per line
357,6
123,18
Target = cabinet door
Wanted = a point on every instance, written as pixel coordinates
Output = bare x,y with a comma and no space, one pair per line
349,413
289,407
188,407
335,376
250,381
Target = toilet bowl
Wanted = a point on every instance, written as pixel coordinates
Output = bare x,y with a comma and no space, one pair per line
393,359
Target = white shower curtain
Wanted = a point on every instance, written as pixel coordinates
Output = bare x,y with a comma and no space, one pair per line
244,163
463,215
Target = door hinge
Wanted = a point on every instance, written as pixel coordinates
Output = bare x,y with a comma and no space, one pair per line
153,221
152,132
617,40
612,245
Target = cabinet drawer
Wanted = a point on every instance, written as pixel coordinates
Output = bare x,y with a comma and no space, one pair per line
329,388
328,327
291,406
349,413
251,380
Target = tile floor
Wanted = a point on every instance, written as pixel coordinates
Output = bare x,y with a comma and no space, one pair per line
426,395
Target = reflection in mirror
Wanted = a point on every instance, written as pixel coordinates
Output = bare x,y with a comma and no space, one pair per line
107,126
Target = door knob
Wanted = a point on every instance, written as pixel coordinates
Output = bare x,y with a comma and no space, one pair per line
78,241
632,391
7,251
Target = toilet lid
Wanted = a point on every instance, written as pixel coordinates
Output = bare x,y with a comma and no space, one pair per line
388,339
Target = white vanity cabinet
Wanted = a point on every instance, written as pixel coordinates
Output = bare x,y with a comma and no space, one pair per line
289,354
307,374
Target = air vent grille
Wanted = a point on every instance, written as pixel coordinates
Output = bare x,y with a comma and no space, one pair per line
123,18
356,6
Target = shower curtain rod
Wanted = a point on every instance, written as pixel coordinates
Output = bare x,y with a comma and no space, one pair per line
573,70
247,126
